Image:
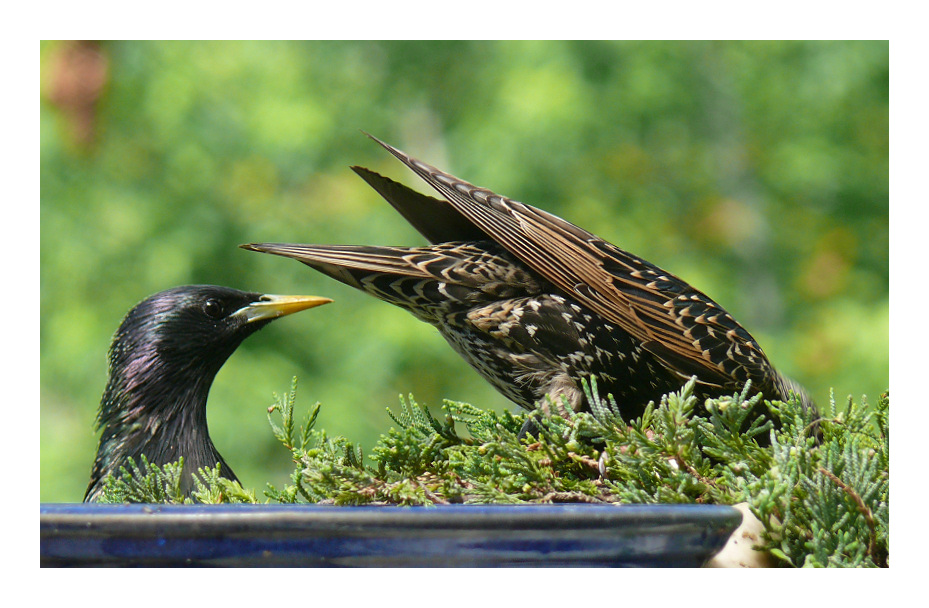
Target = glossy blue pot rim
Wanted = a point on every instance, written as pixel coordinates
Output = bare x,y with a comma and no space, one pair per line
440,536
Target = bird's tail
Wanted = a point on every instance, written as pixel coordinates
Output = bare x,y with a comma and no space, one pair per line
345,263
414,278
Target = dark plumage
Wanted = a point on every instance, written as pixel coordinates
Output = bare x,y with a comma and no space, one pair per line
162,362
535,303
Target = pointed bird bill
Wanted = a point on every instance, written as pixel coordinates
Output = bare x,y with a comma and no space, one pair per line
273,306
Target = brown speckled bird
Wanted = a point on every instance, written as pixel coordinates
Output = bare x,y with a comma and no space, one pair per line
535,303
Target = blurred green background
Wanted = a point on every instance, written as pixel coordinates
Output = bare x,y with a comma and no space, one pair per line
757,171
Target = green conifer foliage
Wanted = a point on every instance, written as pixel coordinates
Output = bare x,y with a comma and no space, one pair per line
821,488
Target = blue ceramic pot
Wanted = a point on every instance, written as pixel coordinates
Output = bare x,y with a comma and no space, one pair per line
312,535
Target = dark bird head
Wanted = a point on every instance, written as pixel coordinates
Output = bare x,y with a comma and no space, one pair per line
162,362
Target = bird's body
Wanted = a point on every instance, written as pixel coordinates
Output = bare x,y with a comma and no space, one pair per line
535,303
162,363
516,329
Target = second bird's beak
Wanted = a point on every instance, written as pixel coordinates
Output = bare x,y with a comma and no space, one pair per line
271,306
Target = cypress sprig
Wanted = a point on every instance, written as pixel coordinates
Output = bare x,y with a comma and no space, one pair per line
146,482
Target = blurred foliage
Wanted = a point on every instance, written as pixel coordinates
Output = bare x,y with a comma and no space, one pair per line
757,171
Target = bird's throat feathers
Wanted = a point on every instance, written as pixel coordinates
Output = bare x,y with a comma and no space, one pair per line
145,411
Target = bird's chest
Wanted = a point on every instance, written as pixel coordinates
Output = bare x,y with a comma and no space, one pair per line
505,370
529,347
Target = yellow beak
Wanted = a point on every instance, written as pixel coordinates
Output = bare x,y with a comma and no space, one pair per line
272,306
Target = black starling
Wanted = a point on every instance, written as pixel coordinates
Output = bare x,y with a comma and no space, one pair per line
162,362
535,303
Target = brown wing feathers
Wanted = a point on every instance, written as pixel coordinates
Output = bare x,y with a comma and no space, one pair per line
574,260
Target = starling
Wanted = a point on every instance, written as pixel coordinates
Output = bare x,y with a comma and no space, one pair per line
535,303
162,362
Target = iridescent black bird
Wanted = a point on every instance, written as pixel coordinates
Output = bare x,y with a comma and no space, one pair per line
535,303
162,362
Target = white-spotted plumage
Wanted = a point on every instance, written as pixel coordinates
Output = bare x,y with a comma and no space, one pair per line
535,303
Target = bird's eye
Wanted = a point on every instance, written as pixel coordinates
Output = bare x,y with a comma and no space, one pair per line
213,309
